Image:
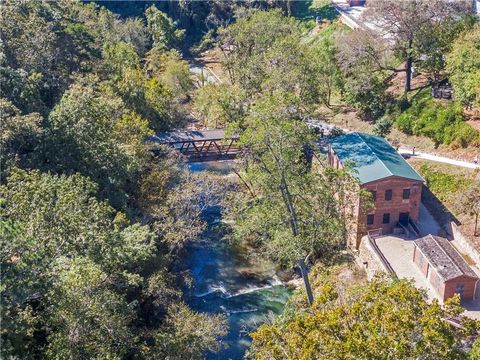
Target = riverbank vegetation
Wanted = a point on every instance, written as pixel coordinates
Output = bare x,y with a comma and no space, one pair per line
384,318
92,222
294,215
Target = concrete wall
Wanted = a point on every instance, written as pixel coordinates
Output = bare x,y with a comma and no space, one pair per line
369,260
463,244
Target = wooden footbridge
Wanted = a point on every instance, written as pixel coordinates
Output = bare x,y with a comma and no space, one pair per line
201,145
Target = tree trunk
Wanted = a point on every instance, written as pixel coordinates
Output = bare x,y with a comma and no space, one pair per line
308,288
476,225
293,225
408,68
287,199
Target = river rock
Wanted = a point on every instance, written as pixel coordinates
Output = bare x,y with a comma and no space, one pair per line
295,283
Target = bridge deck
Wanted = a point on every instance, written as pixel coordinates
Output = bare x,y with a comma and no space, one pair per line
200,144
176,137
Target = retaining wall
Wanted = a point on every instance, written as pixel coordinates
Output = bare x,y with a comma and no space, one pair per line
464,244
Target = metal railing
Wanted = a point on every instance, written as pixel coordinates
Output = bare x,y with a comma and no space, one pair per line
414,227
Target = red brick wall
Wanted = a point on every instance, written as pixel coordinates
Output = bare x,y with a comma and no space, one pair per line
394,206
397,204
444,289
451,286
420,261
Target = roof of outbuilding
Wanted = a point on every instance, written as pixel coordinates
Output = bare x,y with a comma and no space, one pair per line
444,258
372,157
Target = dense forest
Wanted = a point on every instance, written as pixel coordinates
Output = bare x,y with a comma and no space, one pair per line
93,223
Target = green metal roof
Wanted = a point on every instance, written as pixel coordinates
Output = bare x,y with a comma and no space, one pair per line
371,157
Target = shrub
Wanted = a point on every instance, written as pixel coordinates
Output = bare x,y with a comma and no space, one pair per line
443,185
444,124
404,123
403,103
383,126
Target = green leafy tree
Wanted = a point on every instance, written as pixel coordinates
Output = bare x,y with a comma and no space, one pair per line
133,31
42,44
64,216
293,216
361,87
436,40
90,320
383,126
163,30
404,24
120,57
20,136
80,139
383,320
20,282
45,219
470,204
172,70
475,353
131,133
463,64
247,43
159,97
187,334
220,104
328,74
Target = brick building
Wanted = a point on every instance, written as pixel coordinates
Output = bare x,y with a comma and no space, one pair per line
445,269
395,186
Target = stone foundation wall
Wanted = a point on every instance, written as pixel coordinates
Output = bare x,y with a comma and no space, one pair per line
367,259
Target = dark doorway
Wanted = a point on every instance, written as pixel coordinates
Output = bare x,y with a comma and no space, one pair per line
403,218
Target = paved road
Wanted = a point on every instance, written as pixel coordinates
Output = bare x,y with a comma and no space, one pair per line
442,159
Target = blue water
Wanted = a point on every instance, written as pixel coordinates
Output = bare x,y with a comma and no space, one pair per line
225,282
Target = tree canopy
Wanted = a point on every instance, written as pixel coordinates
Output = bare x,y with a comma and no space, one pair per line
383,320
91,220
464,67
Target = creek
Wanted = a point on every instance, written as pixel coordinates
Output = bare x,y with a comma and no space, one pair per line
226,282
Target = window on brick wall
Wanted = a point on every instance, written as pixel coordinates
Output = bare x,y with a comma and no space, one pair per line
370,219
374,195
388,194
386,218
406,193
